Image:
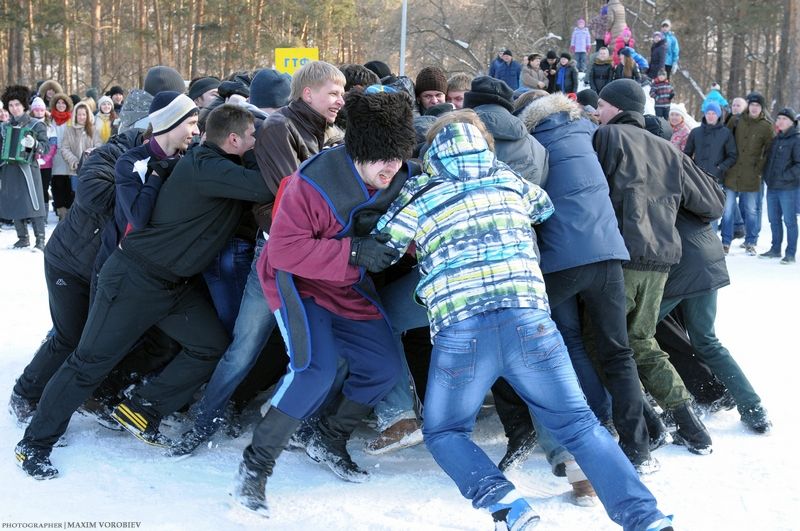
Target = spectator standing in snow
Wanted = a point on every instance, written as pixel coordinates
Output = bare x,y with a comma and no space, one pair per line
673,48
580,44
507,69
782,177
599,27
682,124
658,55
715,95
533,77
602,70
662,92
567,76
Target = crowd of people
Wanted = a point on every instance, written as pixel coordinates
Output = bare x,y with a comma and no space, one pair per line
360,244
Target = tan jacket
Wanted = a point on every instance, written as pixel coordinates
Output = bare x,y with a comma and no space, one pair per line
75,143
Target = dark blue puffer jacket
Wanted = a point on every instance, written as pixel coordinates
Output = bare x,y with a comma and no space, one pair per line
782,168
583,229
74,244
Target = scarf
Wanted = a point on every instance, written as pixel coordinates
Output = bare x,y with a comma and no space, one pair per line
59,117
105,126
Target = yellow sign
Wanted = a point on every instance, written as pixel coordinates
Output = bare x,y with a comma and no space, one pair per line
288,60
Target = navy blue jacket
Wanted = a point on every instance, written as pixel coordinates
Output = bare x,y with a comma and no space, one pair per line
713,148
75,242
583,229
508,72
782,168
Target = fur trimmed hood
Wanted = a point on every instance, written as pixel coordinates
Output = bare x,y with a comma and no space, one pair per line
541,108
47,85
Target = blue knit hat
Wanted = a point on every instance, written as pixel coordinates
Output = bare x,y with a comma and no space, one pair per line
270,89
714,106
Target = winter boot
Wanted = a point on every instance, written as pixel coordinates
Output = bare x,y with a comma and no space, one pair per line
21,226
35,461
329,444
583,493
521,444
21,408
251,490
189,442
301,437
726,402
664,524
691,432
100,411
38,231
142,422
755,418
269,439
772,253
513,513
659,436
402,434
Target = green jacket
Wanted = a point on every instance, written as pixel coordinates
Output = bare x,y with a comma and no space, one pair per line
753,137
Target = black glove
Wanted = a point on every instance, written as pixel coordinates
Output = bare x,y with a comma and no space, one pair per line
162,168
372,253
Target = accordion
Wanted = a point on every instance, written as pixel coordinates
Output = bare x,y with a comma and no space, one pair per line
13,151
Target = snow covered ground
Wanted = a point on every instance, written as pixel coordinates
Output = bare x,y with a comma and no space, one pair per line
749,482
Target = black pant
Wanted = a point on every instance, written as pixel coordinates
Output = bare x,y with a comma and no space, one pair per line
69,305
668,68
599,43
512,410
602,288
46,174
62,191
130,300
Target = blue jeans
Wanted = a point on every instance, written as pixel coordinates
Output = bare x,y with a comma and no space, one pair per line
580,58
781,211
700,313
254,325
747,201
226,277
523,346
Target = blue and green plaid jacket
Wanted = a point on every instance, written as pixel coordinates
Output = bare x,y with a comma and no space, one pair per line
472,230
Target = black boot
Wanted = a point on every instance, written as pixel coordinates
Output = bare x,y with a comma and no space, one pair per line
659,436
329,444
38,231
691,432
21,227
35,461
21,408
269,439
516,420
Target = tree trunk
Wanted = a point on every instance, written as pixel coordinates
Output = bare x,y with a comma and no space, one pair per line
196,37
66,58
791,96
159,44
97,43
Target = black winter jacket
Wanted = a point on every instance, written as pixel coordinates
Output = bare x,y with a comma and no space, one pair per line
702,267
649,180
601,74
196,211
782,169
74,244
658,58
713,148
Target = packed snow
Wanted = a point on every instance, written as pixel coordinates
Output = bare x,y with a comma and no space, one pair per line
109,479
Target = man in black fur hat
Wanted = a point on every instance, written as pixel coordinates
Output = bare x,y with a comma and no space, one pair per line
313,272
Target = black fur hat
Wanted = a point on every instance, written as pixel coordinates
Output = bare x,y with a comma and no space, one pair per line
17,92
379,126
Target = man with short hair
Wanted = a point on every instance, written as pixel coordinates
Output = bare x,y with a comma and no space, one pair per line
507,69
646,203
151,280
753,134
288,137
457,85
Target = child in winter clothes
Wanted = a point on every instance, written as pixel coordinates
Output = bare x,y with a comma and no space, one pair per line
625,39
602,71
105,122
682,124
488,309
39,113
627,69
662,92
581,44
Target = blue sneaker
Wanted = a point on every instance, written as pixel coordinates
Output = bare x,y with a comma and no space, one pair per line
664,524
515,515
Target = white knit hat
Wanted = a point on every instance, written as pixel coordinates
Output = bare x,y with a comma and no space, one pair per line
169,109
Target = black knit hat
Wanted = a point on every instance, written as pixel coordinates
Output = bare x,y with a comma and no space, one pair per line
625,95
756,97
485,89
789,113
380,68
116,89
587,97
379,126
551,54
566,55
201,86
20,93
227,89
430,78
